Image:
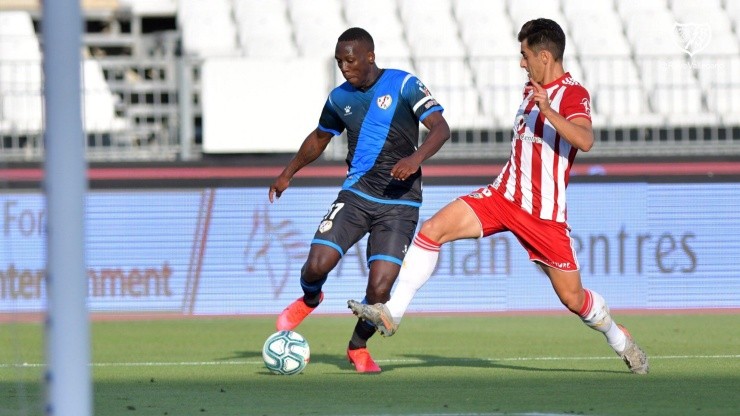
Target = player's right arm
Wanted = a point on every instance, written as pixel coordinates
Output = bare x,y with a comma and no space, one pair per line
312,147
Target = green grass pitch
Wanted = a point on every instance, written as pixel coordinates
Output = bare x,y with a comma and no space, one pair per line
435,365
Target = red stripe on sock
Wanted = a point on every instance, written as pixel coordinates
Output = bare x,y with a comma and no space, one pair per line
587,303
426,243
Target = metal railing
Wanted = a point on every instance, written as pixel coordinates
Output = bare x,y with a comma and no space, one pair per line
667,111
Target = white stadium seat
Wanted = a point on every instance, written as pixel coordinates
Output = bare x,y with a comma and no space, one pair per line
21,108
626,62
317,24
207,27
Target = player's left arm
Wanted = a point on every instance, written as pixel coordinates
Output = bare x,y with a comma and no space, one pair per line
439,132
577,131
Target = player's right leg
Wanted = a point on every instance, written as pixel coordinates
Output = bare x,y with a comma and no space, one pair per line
321,260
339,230
453,222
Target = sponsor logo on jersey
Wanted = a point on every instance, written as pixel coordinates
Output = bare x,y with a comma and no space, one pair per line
385,101
325,226
586,106
522,133
347,110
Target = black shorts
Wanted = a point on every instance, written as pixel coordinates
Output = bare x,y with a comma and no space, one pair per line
350,217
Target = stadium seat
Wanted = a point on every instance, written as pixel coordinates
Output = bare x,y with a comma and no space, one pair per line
487,30
99,103
317,24
610,71
732,8
601,10
471,8
207,27
20,74
444,72
677,72
264,30
624,106
726,103
682,106
627,9
522,11
681,7
462,108
501,103
717,72
381,19
596,32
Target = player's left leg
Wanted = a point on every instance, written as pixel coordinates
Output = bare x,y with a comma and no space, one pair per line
381,278
391,231
549,244
594,312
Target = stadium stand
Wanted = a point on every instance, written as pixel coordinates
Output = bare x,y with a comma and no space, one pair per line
662,73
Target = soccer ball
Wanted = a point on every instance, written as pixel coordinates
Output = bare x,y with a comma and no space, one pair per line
286,352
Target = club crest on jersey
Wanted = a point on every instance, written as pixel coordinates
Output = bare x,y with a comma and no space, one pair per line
325,226
385,101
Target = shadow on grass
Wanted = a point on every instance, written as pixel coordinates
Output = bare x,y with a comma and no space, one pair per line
421,361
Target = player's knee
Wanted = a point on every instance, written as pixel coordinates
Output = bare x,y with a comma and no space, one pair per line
432,229
315,269
572,300
379,290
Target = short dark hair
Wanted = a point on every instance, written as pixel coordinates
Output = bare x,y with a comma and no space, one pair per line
357,34
544,34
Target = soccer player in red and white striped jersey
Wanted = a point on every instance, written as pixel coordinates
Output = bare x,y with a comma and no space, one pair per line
527,198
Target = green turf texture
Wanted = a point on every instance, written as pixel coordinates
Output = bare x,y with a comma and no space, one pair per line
434,365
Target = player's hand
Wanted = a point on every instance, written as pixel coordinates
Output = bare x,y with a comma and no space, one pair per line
404,168
539,95
277,188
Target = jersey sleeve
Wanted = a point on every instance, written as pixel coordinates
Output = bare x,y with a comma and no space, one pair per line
576,103
420,98
329,121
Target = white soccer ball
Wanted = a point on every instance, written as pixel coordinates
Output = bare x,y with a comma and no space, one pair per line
286,352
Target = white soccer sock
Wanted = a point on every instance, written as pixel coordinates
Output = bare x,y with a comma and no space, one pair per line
595,314
417,268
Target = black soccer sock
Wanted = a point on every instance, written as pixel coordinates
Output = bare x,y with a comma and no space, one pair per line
312,292
363,332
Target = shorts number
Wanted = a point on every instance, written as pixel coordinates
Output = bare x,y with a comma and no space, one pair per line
333,210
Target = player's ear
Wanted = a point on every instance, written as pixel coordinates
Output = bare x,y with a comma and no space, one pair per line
371,57
545,56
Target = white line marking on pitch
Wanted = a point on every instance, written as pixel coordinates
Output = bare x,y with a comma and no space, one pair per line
231,362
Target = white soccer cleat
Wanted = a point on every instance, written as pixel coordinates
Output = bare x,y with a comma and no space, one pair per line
377,314
633,355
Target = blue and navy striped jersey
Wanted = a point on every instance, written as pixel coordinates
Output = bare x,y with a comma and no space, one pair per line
382,126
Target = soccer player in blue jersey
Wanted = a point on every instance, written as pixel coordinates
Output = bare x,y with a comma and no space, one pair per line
381,110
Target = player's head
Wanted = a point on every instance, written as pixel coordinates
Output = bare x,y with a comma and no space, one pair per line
542,47
544,35
355,55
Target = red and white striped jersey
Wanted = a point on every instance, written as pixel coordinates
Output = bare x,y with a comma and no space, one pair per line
536,175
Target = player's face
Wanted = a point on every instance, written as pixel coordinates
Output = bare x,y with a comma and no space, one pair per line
355,60
532,63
